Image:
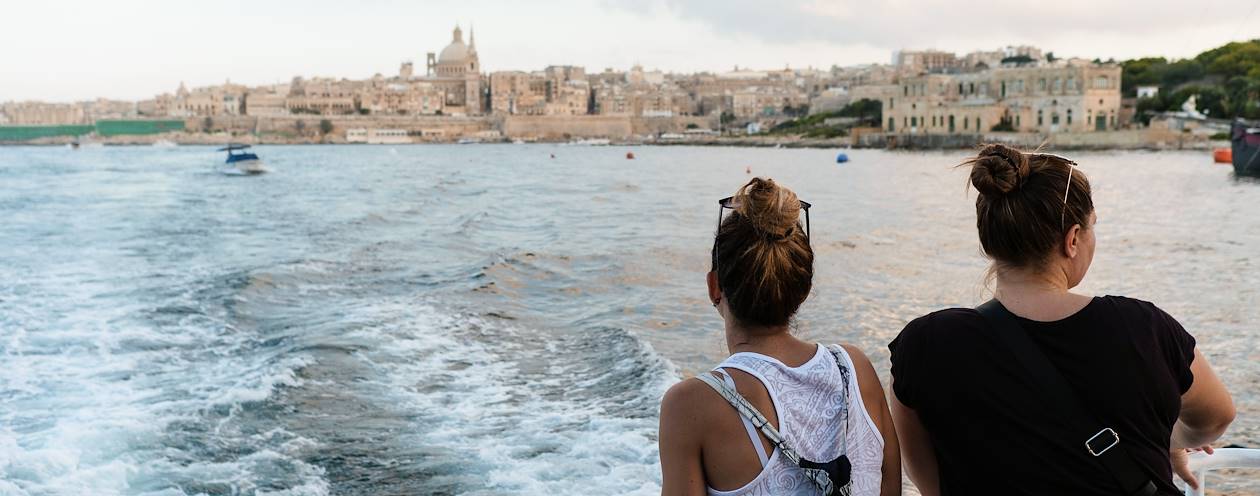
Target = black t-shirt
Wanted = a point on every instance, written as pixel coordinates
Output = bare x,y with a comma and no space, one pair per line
993,432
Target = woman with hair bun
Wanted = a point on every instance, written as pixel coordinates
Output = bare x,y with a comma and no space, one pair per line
1043,390
780,416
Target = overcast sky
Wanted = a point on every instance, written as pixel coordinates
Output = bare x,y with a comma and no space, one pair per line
63,50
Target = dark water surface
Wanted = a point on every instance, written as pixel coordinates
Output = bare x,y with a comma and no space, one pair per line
485,319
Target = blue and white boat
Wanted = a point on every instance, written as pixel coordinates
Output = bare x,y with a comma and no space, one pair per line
240,162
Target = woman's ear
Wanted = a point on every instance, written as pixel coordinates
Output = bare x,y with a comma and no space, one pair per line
1071,241
715,293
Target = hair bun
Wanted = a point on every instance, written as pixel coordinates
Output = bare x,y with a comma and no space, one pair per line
769,208
998,170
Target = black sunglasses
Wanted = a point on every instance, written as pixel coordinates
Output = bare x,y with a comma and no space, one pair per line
728,203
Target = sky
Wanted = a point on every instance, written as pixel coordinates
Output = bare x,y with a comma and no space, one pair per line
68,50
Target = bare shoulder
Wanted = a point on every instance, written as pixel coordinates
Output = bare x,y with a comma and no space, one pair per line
687,402
868,379
861,364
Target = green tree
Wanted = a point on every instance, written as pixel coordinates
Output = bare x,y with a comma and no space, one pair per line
869,112
325,126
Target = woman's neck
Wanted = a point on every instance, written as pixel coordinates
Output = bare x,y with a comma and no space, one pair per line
1038,295
773,341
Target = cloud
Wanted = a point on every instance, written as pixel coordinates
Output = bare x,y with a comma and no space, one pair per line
895,24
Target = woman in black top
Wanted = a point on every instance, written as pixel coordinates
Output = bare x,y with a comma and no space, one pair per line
973,419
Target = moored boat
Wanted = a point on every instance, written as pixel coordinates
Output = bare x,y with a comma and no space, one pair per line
1245,137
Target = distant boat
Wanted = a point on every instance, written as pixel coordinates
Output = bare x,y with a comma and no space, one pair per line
1246,148
468,141
164,144
592,142
240,162
518,142
85,141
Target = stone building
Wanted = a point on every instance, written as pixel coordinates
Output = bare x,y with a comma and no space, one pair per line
41,113
456,71
1072,96
323,96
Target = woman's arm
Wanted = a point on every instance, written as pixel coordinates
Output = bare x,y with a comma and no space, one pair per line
1206,408
917,452
877,407
681,471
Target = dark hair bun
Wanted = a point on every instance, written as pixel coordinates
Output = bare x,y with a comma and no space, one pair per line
770,209
998,170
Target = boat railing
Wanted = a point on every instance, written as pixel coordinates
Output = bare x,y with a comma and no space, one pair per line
1223,458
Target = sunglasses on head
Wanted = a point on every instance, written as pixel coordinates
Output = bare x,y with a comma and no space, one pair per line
729,203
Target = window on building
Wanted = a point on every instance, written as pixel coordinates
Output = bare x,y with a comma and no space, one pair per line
914,122
1069,117
892,124
1054,119
905,91
1016,121
1071,84
966,121
971,88
1101,82
960,89
890,103
1040,118
1041,84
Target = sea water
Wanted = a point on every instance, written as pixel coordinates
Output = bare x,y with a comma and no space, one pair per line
488,319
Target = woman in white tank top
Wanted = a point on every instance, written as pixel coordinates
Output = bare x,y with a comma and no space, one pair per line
823,404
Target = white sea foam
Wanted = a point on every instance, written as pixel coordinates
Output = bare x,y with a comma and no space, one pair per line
528,418
93,396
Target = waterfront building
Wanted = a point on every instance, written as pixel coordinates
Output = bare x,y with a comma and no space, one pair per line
267,101
41,113
1069,96
456,71
323,96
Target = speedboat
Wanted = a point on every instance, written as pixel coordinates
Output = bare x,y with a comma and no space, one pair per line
240,162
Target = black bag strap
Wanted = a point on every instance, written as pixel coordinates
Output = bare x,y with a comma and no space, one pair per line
1101,442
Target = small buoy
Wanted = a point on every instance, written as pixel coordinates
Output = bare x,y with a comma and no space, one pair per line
842,158
748,170
553,155
1223,155
629,155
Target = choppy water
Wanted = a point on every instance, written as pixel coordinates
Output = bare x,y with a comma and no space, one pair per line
488,320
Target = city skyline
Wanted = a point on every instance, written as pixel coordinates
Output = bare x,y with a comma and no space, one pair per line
101,53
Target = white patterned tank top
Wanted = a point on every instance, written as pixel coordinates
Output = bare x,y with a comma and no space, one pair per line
812,417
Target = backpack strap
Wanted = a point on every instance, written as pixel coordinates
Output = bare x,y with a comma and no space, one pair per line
818,477
1101,442
821,474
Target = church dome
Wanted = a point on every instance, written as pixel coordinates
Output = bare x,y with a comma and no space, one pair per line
457,52
454,53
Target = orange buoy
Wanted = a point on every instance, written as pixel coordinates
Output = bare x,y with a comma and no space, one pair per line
1223,155
629,155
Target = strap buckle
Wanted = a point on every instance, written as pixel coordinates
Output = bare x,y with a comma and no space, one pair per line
1096,450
